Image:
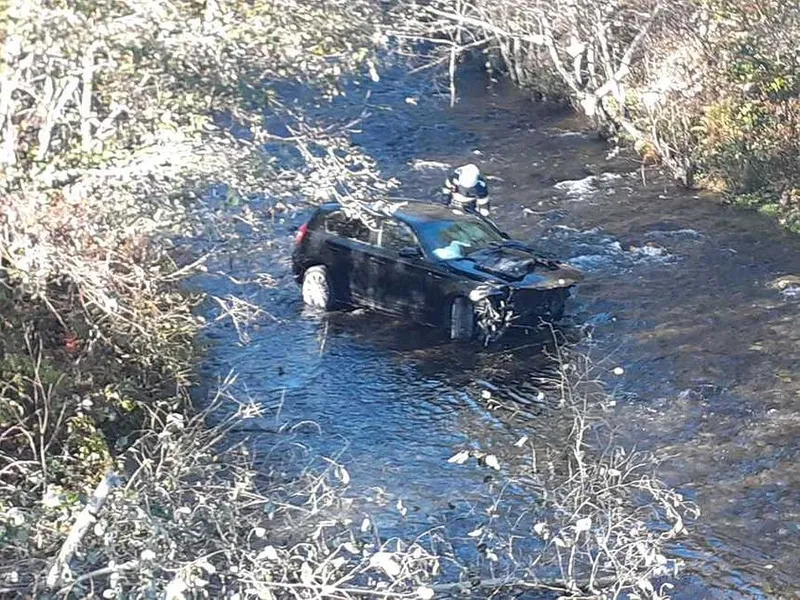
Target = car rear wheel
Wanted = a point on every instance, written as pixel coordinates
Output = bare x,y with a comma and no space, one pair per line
462,320
317,288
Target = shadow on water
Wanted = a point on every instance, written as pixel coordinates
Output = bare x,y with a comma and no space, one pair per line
677,295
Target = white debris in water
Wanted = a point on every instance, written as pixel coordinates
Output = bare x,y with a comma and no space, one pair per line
460,458
412,101
419,165
610,176
582,188
566,134
491,461
521,441
401,508
618,371
793,291
342,474
649,250
425,593
584,524
373,72
542,530
577,187
386,562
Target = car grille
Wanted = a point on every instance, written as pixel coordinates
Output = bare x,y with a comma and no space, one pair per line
529,305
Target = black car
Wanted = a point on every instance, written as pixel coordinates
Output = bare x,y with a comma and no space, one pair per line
431,264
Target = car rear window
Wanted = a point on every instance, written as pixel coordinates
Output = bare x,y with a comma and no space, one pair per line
337,223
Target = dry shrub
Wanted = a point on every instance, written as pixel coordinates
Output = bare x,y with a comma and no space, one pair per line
605,522
194,515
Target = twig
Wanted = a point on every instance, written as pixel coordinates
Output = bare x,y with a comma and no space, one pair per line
126,566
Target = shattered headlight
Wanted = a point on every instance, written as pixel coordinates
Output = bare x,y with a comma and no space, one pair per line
485,290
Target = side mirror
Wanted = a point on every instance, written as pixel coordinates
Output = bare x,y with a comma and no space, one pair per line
411,252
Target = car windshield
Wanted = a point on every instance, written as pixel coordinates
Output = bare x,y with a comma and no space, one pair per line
450,239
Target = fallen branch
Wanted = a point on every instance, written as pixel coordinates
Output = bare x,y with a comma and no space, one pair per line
85,520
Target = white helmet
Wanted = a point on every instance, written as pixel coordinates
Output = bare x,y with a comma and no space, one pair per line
468,176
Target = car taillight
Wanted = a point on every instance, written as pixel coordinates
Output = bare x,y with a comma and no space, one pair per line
301,233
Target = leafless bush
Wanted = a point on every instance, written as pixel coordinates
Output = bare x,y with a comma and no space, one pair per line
604,520
194,515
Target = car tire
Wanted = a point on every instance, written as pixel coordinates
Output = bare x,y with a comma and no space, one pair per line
462,320
317,288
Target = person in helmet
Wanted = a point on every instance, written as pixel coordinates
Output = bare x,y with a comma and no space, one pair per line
466,190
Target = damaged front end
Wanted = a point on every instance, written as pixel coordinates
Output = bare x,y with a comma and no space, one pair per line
493,310
500,307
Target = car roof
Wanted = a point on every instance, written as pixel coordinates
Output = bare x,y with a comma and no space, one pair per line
416,212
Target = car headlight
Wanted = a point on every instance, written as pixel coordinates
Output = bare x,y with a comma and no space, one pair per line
478,294
483,291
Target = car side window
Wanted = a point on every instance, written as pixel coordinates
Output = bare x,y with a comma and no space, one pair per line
396,236
353,229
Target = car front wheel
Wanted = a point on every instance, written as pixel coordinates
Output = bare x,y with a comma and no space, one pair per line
317,289
462,320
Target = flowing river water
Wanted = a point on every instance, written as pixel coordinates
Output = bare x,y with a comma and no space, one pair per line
677,295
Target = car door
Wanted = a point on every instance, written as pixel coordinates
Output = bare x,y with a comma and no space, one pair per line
401,270
346,250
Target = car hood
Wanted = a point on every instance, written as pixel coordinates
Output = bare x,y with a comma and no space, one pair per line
516,265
